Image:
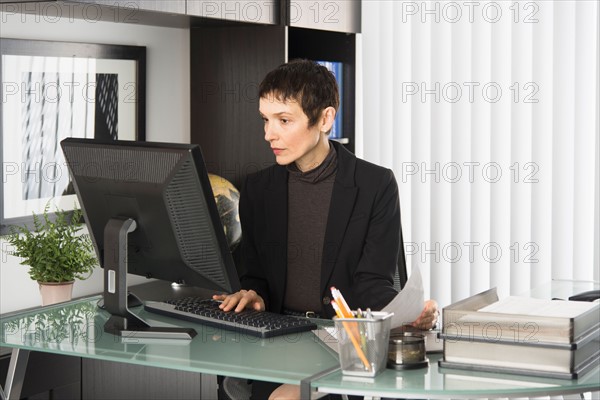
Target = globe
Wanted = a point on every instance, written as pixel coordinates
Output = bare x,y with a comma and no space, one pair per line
227,198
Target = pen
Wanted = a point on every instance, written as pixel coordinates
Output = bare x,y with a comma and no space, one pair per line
363,336
359,351
370,331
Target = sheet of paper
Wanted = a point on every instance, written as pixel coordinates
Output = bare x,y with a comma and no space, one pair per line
408,304
539,307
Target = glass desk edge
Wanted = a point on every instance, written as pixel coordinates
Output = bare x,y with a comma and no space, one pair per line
290,371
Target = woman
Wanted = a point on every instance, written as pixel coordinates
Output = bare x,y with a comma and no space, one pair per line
318,218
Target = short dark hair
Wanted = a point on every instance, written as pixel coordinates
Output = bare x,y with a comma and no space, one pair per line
305,81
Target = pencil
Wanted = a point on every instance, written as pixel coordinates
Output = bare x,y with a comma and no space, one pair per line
344,308
337,295
359,351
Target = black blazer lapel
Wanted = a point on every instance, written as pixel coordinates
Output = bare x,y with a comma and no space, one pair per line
276,212
343,198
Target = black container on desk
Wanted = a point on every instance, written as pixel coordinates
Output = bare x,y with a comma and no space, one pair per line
406,350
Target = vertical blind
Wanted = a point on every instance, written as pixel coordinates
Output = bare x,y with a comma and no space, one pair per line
488,114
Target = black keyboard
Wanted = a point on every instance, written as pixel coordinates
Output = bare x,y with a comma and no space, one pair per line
206,311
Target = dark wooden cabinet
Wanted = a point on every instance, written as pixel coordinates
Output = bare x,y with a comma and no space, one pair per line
110,380
227,65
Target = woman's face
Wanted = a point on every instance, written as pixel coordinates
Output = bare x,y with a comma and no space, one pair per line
290,137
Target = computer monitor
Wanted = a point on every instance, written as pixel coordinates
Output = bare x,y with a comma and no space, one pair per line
150,211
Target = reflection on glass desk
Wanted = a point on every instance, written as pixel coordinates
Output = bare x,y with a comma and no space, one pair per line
435,382
76,328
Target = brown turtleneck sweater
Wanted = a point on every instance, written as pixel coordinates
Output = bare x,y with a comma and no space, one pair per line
309,198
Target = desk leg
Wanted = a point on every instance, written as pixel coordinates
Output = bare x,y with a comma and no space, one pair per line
208,386
305,392
16,374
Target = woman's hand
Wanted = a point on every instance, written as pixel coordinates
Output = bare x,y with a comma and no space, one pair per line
428,317
240,300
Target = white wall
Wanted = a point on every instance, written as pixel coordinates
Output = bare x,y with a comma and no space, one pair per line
167,112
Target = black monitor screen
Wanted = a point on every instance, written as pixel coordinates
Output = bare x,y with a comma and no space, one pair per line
165,189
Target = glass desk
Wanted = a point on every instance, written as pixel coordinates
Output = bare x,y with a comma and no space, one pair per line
77,328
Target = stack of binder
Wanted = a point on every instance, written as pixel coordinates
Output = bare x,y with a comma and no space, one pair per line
547,338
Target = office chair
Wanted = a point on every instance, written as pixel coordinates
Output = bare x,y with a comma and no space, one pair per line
234,388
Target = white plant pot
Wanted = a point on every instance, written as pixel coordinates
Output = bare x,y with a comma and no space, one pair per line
55,292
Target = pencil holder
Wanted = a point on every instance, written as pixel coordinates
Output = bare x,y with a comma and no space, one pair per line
363,343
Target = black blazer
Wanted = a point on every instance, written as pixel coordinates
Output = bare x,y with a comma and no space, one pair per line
362,237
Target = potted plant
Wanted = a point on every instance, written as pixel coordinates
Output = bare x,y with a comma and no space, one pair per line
55,252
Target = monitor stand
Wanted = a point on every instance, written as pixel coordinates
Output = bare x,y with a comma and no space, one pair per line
132,301
123,322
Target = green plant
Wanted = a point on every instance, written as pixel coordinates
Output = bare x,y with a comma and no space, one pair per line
54,250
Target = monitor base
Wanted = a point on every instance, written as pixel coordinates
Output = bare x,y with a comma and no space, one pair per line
132,327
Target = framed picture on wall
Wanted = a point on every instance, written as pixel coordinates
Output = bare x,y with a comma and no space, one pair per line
54,90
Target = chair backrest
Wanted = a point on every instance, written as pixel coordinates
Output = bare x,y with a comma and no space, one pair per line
401,276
